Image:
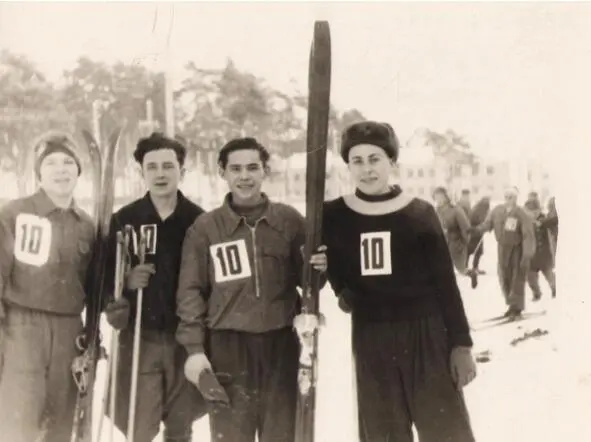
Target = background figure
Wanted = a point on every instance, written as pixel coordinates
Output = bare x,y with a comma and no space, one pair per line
456,228
543,260
475,244
514,233
552,224
465,202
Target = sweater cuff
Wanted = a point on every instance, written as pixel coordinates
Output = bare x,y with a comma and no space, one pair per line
460,340
194,348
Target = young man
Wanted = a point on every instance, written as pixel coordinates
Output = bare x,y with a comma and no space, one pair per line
46,244
543,260
514,233
389,264
163,216
237,299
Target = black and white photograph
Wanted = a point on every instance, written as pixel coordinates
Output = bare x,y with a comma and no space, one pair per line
295,221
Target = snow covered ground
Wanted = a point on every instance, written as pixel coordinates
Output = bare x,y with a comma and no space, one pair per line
538,390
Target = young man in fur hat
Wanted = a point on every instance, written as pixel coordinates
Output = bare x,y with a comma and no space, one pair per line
237,300
514,233
46,244
162,215
389,264
543,259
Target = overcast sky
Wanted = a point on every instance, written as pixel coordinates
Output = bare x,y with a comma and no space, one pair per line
494,72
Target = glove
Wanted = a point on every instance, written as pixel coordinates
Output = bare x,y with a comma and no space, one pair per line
462,365
117,313
139,276
346,300
195,365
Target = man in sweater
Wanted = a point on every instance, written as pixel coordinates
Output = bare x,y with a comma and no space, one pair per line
237,300
46,244
390,266
162,215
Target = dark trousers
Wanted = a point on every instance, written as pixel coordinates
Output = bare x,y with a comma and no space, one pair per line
403,377
163,392
259,373
476,248
37,390
533,280
512,276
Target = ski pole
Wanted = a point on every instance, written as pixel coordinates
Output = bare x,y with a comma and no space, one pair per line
111,377
136,347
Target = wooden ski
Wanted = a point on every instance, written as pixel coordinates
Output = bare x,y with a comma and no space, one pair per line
307,324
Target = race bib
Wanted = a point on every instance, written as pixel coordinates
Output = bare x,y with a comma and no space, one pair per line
32,242
375,254
511,224
150,232
230,261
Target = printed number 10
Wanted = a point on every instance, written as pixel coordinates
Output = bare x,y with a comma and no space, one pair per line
230,260
31,242
373,253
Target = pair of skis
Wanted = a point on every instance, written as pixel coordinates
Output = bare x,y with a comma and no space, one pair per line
84,366
308,322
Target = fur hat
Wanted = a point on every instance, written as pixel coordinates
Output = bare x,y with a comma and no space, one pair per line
370,132
56,144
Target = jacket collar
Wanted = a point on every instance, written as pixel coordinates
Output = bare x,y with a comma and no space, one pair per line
232,220
44,206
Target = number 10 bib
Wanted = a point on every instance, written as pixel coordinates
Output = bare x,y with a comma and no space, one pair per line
375,254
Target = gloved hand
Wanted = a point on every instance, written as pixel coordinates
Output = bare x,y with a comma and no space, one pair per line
139,276
346,300
117,313
463,366
196,364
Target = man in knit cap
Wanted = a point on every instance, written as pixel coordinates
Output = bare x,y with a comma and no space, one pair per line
46,244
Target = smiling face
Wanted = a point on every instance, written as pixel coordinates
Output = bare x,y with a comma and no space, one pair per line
370,168
245,173
58,174
162,172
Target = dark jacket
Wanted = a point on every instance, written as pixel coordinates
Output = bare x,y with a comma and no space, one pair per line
163,250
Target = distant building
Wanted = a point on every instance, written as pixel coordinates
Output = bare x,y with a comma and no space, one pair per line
420,171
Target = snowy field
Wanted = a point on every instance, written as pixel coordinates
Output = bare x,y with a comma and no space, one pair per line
538,390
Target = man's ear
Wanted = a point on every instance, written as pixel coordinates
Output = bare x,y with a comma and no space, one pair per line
221,171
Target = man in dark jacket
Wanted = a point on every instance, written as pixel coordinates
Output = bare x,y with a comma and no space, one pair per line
543,260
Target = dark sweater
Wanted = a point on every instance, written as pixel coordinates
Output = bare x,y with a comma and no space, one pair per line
392,255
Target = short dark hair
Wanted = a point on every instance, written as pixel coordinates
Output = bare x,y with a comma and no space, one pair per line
242,144
158,141
465,191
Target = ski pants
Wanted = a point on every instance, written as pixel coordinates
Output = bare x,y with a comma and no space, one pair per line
476,248
163,392
37,390
512,276
403,377
259,373
533,280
